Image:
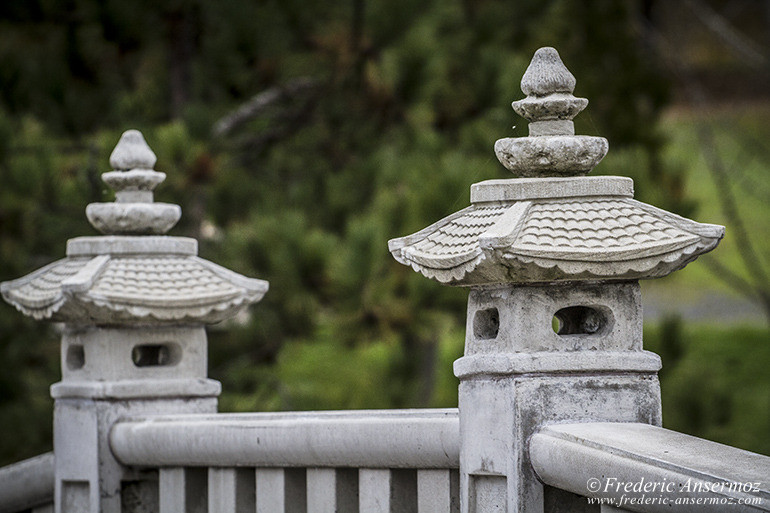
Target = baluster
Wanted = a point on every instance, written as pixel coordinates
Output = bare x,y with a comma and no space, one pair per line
270,490
221,490
182,490
321,490
438,491
332,490
231,490
374,490
281,490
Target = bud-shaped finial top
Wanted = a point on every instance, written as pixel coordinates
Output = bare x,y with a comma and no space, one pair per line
552,148
133,181
547,74
548,85
132,152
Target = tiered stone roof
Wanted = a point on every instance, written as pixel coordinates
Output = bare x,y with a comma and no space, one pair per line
554,224
127,277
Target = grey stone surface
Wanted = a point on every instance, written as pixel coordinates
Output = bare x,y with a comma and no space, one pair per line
691,469
523,319
128,245
366,439
499,413
27,484
551,188
518,374
132,218
547,74
552,149
108,355
133,180
132,152
556,155
153,287
582,238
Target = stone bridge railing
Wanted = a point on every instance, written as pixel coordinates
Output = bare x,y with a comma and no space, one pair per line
549,421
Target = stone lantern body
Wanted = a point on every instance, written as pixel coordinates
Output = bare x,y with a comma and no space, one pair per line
134,304
554,324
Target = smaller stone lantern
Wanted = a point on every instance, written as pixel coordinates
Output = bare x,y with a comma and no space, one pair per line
134,304
554,246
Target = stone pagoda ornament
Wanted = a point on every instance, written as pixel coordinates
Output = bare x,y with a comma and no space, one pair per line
133,274
553,224
134,304
552,260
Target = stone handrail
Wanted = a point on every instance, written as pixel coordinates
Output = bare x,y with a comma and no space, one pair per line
27,484
644,468
375,461
377,439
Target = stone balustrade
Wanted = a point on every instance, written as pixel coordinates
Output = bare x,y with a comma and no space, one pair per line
373,461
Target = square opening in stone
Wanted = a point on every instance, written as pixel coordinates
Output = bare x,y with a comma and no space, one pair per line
486,323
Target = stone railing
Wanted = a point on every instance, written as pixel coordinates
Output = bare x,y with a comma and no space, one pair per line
28,485
548,420
638,467
373,461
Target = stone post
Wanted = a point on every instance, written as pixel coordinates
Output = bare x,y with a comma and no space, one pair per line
554,326
134,304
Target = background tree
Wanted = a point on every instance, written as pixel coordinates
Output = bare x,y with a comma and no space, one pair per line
298,136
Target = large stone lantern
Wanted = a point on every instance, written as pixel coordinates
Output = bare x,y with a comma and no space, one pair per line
553,247
134,304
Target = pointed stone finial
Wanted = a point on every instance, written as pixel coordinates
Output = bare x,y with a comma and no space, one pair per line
549,105
132,152
547,74
133,181
552,148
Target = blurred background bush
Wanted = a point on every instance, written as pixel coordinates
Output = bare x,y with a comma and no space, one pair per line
299,136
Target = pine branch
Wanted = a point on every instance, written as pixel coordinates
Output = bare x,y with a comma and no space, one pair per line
261,102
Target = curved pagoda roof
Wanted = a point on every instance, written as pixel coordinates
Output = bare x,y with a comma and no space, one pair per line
553,223
133,274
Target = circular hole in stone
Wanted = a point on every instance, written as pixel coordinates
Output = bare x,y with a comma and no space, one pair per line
579,320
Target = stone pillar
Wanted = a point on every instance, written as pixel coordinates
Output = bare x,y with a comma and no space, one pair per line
113,372
554,329
518,374
135,304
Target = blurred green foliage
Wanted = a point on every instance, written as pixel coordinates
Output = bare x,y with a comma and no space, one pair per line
715,384
406,101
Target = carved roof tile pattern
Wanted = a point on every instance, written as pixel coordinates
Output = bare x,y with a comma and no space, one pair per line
133,288
549,240
41,292
160,279
460,235
605,223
